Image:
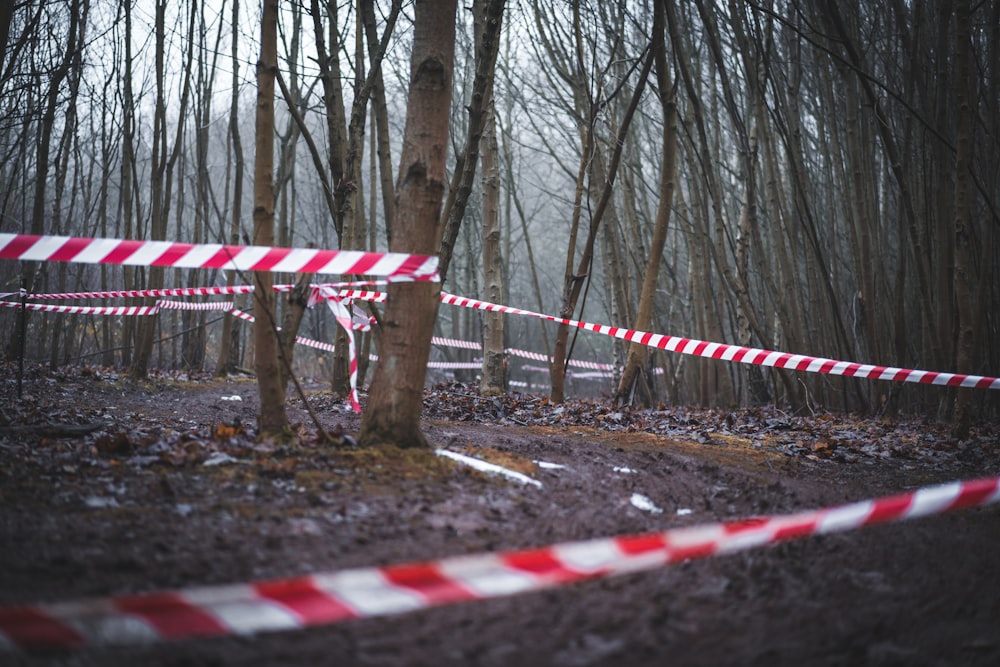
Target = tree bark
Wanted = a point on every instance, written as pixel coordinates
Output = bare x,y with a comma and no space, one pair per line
163,162
272,420
963,161
574,282
229,347
465,166
637,352
392,415
493,380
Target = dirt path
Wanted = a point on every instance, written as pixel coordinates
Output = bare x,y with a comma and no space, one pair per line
172,491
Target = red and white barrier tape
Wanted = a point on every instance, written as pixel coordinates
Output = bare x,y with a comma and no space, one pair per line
363,295
214,290
235,312
579,363
745,355
27,247
332,597
221,290
110,251
352,353
456,365
84,310
195,305
454,342
122,310
345,320
725,352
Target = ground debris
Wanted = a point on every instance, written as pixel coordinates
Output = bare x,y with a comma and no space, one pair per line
175,490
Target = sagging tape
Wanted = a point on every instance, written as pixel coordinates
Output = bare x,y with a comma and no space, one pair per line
332,597
748,355
726,352
689,346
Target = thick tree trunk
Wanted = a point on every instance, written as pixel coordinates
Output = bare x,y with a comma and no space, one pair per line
392,415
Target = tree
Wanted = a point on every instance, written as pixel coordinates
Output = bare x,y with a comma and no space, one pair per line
574,281
163,162
229,347
644,315
489,15
493,380
272,421
77,12
393,411
963,162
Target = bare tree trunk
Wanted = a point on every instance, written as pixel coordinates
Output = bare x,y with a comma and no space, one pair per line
574,282
229,347
895,160
493,379
381,124
465,164
963,162
163,162
272,420
58,75
510,185
328,50
637,352
392,415
494,376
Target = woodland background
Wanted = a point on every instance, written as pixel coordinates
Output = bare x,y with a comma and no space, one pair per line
834,185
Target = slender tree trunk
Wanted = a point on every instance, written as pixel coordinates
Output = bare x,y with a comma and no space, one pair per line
963,164
163,161
465,165
637,352
392,415
52,101
229,347
574,282
493,379
272,420
494,376
381,114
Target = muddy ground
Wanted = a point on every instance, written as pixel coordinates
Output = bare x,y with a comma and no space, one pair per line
169,489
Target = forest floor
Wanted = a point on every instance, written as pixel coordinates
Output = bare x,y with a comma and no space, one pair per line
170,490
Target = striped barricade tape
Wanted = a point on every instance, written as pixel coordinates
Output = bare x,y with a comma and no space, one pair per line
352,353
221,290
346,321
26,247
195,305
579,363
454,342
122,310
212,290
736,353
689,346
243,315
363,295
332,597
747,355
84,310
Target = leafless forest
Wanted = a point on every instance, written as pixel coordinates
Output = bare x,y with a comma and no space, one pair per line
814,177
